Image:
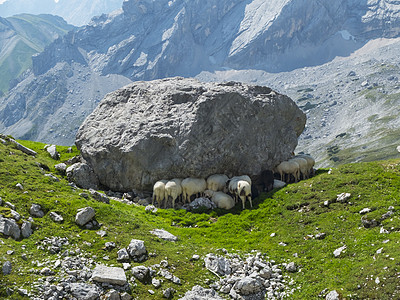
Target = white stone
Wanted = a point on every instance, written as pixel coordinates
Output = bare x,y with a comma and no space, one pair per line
339,251
164,235
111,275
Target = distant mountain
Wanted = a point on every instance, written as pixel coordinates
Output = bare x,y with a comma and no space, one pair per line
22,36
77,12
151,39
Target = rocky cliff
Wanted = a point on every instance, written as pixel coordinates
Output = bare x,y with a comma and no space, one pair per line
180,127
150,39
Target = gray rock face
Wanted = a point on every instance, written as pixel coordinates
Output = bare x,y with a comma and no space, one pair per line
84,215
111,275
82,175
180,128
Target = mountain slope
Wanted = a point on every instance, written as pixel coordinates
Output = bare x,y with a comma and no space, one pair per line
77,12
21,37
155,39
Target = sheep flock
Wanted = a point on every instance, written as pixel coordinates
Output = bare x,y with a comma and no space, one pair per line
225,192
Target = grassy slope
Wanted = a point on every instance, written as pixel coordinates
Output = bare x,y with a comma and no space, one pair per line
292,213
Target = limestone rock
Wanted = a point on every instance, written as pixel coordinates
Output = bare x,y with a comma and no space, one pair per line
52,150
56,217
26,229
36,211
62,168
123,255
84,215
99,196
7,268
248,286
163,234
82,175
180,127
137,250
111,275
218,265
200,293
84,291
9,227
333,295
141,273
112,295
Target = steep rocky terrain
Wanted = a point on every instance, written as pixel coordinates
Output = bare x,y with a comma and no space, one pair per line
21,37
156,39
77,12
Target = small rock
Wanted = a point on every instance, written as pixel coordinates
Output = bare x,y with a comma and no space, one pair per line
164,235
137,251
10,205
126,296
195,257
333,295
320,236
26,229
343,197
377,281
383,231
151,209
7,268
367,223
156,283
52,150
291,267
123,255
62,168
151,292
272,234
99,196
52,177
84,215
83,291
141,273
20,186
218,265
168,293
364,211
110,245
112,295
56,217
339,251
9,227
36,211
101,233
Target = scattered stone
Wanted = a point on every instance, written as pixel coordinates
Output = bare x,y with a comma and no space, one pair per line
195,257
164,235
56,217
151,209
387,215
156,283
333,295
10,205
383,231
123,255
23,292
110,245
10,252
22,148
7,268
377,280
84,215
52,150
61,168
339,251
137,251
99,196
16,216
151,292
320,236
365,211
217,265
26,229
367,223
198,203
291,267
84,195
142,273
168,293
84,291
9,227
36,211
52,177
200,293
343,197
111,275
20,186
112,295
326,203
46,271
273,234
101,233
126,296
248,286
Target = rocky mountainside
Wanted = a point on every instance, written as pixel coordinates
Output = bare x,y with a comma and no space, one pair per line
22,36
155,39
77,12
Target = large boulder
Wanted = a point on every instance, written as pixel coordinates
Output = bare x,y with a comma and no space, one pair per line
180,127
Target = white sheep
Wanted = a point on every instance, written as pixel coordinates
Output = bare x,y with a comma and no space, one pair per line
240,189
220,199
192,186
242,177
173,190
310,162
290,168
159,191
303,166
217,182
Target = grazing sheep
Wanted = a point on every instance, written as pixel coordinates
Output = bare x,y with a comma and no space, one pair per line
290,168
303,166
220,199
217,182
267,180
240,189
173,190
310,162
159,191
192,186
242,177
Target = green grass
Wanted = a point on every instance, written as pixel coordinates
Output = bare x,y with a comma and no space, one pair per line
293,213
